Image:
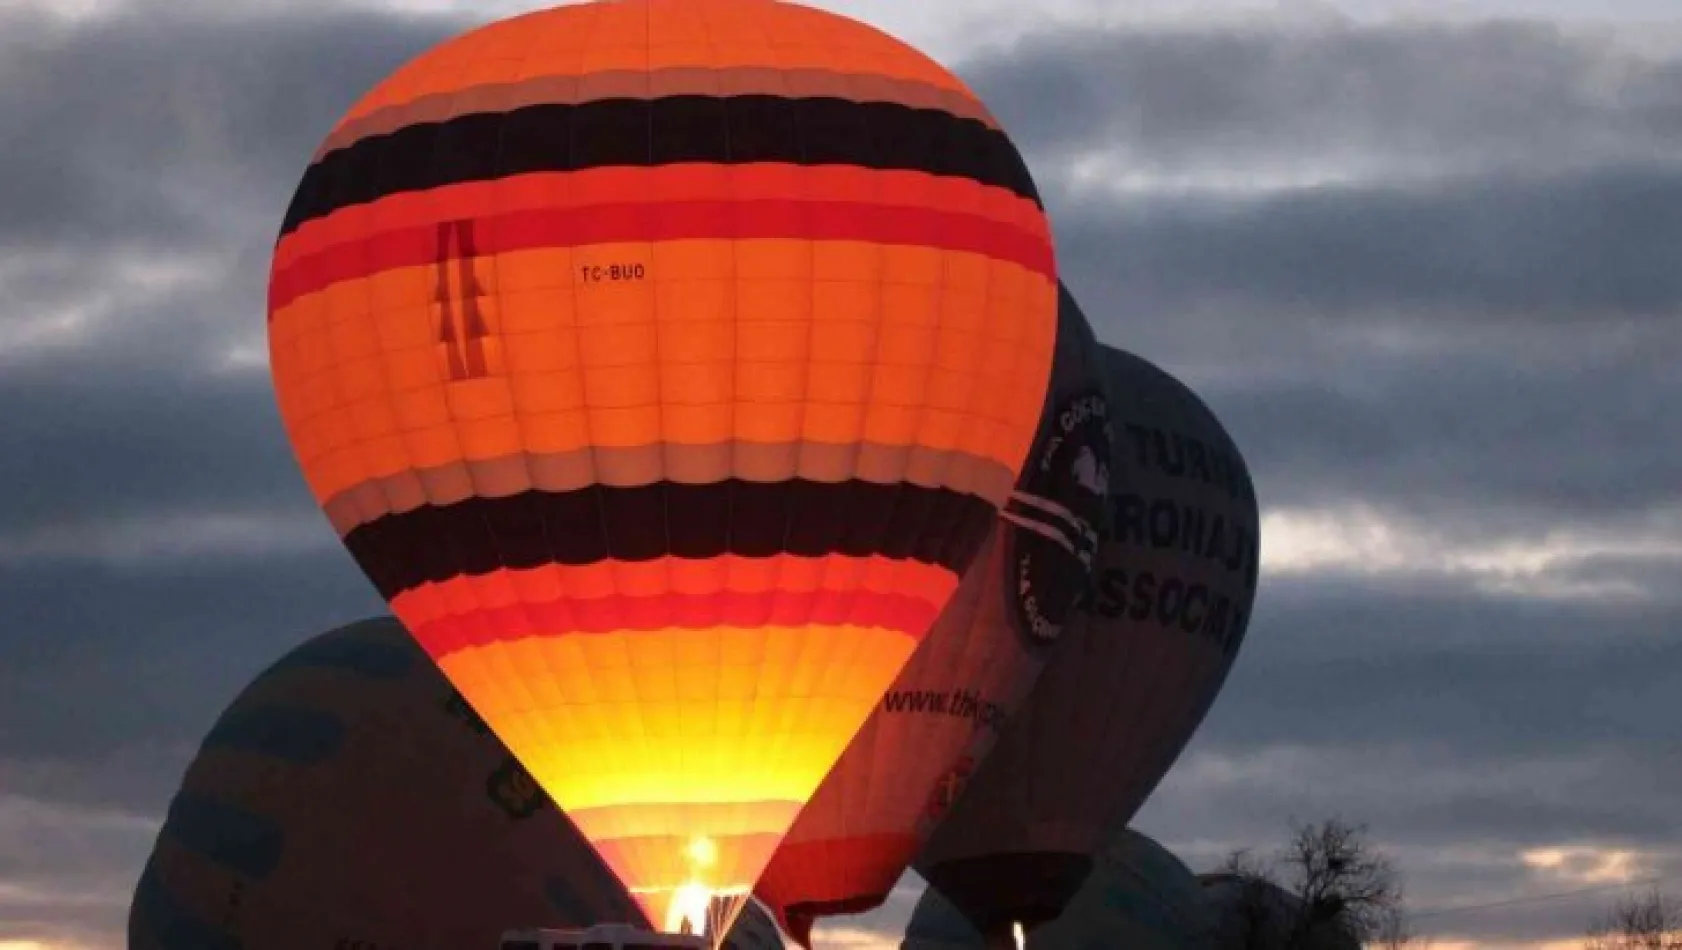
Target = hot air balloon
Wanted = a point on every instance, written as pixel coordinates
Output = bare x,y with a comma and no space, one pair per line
1139,895
754,930
1131,679
349,800
942,714
664,364
937,924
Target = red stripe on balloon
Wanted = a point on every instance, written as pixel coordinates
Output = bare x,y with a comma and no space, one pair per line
831,876
447,635
669,221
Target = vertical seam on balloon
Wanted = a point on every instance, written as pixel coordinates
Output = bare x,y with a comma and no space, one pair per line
568,690
536,638
385,486
648,211
851,619
707,41
807,645
585,34
879,326
883,565
814,652
534,723
772,749
443,384
1119,714
1185,721
810,650
477,587
1187,675
943,303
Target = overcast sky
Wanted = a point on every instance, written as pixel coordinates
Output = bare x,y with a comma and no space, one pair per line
1424,257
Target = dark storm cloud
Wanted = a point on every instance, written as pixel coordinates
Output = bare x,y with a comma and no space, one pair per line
169,125
1580,245
1436,97
1493,674
1465,728
1444,433
102,449
1477,170
104,656
1473,324
148,158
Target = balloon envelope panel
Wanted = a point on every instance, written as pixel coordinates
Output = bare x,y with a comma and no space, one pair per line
754,930
1133,677
349,798
937,924
664,363
942,714
1139,895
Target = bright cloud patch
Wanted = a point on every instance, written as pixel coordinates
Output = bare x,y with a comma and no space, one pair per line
1587,864
1362,540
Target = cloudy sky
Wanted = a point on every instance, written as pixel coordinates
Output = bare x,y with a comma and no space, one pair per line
1424,256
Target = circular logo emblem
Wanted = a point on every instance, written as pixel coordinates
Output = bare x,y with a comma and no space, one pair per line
513,789
945,792
1056,514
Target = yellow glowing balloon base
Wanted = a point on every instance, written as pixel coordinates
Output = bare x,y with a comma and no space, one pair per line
698,906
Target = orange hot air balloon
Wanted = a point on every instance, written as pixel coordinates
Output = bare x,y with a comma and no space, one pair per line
942,714
664,363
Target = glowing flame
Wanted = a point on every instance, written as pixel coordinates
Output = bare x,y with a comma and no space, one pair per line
687,912
701,905
702,853
1021,938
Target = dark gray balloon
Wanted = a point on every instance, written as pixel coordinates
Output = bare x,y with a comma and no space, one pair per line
1132,677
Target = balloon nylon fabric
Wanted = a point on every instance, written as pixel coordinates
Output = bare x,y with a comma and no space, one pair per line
664,363
754,930
1139,895
347,797
1133,677
942,714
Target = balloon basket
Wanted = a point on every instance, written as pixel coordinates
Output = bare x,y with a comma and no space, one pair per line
601,937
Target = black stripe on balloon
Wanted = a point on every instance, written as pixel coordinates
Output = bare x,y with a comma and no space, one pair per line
477,536
730,130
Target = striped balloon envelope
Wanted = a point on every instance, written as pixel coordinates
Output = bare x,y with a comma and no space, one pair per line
943,713
665,363
1134,676
348,798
